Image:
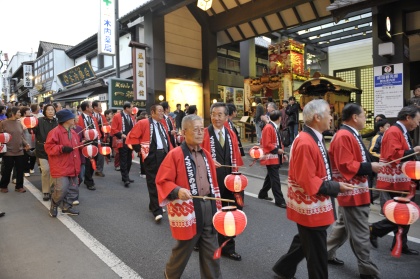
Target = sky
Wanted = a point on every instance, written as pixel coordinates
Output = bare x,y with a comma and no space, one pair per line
24,23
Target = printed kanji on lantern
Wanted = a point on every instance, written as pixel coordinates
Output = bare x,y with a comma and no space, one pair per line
30,122
106,129
411,169
256,152
230,221
5,137
90,134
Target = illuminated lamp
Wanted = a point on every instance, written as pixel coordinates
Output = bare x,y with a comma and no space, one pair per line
135,110
90,134
411,169
204,4
90,151
400,211
256,152
236,182
161,98
5,137
230,221
30,122
214,101
254,104
106,129
105,150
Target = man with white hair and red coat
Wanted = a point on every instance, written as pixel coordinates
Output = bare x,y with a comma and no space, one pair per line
188,171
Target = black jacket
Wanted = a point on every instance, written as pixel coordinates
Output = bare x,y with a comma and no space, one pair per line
45,125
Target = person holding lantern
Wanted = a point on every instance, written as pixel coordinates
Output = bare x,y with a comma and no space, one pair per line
87,122
396,143
101,119
188,171
29,135
310,195
150,137
62,146
272,159
351,163
122,123
224,149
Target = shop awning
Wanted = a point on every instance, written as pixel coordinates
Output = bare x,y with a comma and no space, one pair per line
75,97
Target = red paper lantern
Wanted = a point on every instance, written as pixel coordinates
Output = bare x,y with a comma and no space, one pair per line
400,211
106,129
256,152
90,134
411,169
90,151
230,221
5,137
30,122
134,110
105,150
236,182
180,139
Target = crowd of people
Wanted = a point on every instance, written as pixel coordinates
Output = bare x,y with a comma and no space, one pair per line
181,159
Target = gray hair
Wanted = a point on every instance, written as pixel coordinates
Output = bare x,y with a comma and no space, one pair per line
273,105
186,120
314,107
219,104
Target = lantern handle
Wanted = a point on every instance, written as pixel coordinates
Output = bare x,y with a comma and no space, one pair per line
82,145
211,198
381,190
227,166
393,161
85,128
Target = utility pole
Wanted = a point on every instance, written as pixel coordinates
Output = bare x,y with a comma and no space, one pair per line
117,41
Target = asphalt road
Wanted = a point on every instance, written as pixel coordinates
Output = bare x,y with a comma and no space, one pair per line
119,219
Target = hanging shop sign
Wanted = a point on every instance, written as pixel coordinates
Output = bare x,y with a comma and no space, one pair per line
27,76
106,36
138,56
121,91
77,74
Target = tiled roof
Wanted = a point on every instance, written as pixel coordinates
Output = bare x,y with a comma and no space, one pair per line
46,47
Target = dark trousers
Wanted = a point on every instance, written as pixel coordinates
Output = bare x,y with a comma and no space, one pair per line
309,243
125,162
7,167
385,226
152,163
89,172
29,162
272,181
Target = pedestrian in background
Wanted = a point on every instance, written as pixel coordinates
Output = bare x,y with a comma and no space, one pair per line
259,111
292,110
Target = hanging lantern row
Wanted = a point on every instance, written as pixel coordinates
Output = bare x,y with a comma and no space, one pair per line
5,137
30,122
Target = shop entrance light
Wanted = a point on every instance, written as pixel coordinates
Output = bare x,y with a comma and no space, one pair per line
204,4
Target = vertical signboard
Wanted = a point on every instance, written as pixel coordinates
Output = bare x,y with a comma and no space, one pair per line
106,36
121,91
27,76
139,73
389,92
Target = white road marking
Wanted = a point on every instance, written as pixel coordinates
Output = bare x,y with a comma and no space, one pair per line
109,258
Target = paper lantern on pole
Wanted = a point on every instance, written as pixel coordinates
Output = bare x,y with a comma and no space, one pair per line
236,182
106,129
90,151
256,152
411,169
180,139
91,134
134,111
30,122
5,137
105,150
400,211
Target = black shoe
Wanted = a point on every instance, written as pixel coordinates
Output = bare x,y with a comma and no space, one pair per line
46,197
53,211
335,261
279,276
70,211
2,214
130,180
282,205
408,251
92,188
266,198
367,276
233,256
126,184
196,248
373,238
99,173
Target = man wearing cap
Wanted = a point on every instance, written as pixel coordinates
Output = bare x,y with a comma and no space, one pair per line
64,157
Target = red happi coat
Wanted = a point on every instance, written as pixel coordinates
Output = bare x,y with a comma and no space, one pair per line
391,177
268,144
81,123
306,175
346,159
116,126
235,145
181,214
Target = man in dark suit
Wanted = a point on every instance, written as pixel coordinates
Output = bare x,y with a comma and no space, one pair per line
292,110
169,122
229,124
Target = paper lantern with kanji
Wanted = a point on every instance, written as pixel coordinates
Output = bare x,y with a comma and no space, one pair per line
90,134
105,150
106,129
230,221
30,122
256,152
411,169
236,182
134,110
90,151
5,137
400,211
